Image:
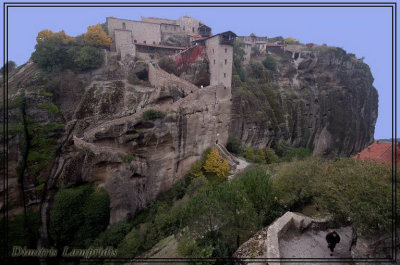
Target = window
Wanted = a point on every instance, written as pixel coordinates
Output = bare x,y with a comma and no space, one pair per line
224,74
214,61
183,28
193,29
213,51
144,42
226,50
226,61
154,42
175,28
135,41
123,25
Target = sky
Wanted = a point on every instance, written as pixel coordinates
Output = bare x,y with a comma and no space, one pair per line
364,31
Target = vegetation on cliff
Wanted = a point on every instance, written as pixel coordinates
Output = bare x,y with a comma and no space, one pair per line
58,51
79,215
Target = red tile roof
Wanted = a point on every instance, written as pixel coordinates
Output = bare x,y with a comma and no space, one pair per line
379,152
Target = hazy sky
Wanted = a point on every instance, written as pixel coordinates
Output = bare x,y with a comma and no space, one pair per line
364,31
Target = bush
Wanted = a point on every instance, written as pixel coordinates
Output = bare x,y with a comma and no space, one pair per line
87,58
153,115
79,215
292,153
352,191
114,235
269,63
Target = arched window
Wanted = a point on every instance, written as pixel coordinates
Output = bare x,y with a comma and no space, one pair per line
123,25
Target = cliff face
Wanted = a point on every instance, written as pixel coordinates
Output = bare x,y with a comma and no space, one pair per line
102,135
69,128
324,100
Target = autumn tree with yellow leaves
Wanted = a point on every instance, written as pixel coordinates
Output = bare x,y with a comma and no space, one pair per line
96,36
215,165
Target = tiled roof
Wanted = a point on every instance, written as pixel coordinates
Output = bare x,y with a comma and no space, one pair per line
379,152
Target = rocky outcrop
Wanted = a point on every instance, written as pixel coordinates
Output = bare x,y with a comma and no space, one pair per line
324,100
294,236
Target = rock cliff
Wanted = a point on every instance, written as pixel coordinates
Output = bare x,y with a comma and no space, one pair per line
68,128
323,100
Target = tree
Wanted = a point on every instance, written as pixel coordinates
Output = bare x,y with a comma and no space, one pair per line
215,165
269,63
10,66
291,40
255,51
96,36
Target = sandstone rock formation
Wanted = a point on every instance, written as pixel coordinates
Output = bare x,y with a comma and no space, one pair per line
324,100
69,128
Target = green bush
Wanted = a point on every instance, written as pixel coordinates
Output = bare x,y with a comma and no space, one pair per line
50,107
292,153
269,63
87,58
114,235
352,191
22,231
153,115
127,158
79,215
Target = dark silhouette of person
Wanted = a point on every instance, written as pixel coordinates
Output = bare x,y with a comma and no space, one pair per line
332,238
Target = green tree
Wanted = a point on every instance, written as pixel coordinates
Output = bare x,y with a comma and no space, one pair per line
269,63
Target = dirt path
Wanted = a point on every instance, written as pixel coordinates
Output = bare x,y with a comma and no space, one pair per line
312,244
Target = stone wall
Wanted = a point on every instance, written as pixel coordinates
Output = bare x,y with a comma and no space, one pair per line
142,32
127,49
158,20
161,79
188,25
221,60
122,37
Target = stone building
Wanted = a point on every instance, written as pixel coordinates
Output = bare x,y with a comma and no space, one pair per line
158,34
253,41
219,50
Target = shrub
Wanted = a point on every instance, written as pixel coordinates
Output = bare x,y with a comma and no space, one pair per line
270,156
255,51
269,63
87,58
348,189
292,153
79,215
248,153
127,158
10,66
153,115
50,107
114,235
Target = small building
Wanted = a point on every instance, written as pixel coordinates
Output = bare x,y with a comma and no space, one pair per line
380,152
253,41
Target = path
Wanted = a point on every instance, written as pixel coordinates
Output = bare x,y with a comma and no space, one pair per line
312,244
